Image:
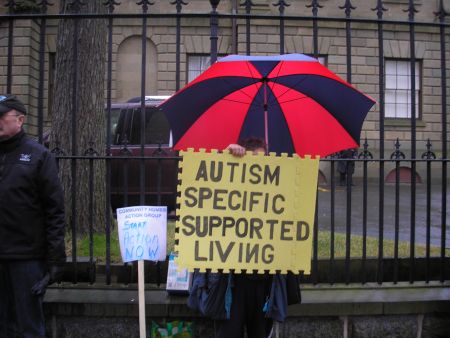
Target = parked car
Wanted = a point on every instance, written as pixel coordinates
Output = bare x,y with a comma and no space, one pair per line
160,166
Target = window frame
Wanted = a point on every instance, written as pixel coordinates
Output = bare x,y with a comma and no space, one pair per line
189,55
320,56
419,90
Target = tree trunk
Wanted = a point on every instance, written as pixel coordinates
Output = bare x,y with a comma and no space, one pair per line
79,101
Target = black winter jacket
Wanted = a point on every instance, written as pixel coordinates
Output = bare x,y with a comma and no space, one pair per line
31,202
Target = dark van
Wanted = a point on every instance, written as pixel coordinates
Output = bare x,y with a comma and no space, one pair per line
160,163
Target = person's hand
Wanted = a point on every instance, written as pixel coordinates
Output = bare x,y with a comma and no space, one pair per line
236,150
38,289
56,273
53,275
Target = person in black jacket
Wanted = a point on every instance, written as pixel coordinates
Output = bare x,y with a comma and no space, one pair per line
250,291
32,224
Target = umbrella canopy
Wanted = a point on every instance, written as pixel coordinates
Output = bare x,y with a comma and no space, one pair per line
292,101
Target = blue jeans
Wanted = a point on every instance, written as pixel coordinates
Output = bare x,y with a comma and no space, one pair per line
21,313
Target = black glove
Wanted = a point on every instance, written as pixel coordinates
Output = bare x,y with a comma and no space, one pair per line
53,275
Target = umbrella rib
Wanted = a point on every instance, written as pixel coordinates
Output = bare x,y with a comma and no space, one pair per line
279,70
288,90
237,101
236,88
297,99
253,75
273,82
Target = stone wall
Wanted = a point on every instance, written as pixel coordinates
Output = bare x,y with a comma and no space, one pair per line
388,326
368,310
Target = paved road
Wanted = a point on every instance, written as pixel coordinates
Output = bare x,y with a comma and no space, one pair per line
404,207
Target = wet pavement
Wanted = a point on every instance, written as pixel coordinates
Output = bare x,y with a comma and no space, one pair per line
392,203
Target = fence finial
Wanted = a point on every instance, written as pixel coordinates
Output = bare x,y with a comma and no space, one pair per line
145,4
380,9
429,154
111,5
91,150
315,7
179,4
57,151
11,4
214,4
348,8
282,5
44,5
365,154
248,5
411,10
442,13
124,151
397,154
75,5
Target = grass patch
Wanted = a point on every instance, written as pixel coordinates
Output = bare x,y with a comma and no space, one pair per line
356,247
99,247
356,242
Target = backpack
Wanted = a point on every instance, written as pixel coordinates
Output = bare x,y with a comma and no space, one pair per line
210,294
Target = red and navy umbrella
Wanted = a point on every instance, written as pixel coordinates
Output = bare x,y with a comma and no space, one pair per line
292,101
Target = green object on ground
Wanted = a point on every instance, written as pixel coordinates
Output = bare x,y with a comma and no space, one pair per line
173,329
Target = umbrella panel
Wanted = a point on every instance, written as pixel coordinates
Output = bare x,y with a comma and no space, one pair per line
221,123
279,137
311,126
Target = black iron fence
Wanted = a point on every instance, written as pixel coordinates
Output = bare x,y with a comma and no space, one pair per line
401,198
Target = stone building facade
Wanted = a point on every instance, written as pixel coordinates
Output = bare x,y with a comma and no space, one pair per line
195,48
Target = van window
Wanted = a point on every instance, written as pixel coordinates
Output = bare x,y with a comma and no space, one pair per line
115,114
157,130
120,129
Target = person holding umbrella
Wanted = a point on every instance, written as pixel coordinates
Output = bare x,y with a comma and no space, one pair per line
292,102
239,303
249,291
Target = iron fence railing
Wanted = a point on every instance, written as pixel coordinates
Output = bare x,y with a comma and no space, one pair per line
372,209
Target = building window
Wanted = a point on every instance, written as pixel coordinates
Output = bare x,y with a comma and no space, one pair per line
321,58
197,64
398,89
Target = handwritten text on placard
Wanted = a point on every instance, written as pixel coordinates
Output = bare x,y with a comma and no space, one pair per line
142,233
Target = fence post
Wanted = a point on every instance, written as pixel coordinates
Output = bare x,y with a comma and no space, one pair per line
281,4
380,9
179,5
214,29
442,14
412,50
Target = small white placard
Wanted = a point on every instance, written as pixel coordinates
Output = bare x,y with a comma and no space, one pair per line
177,281
142,233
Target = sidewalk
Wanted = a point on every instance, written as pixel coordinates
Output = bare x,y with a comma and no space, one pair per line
372,209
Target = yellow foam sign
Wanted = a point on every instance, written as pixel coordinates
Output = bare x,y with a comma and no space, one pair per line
248,213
